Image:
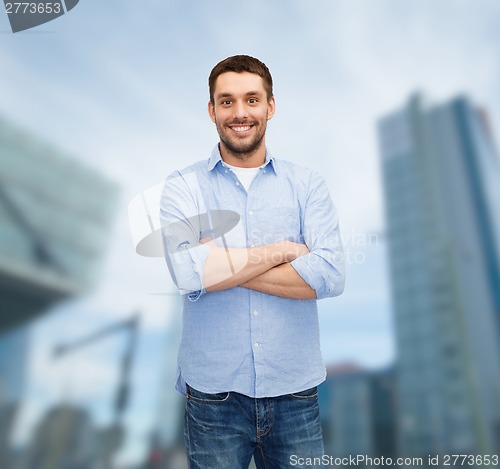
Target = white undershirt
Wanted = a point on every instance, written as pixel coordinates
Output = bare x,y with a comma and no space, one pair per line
245,175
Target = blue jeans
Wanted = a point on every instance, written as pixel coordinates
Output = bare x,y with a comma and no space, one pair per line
223,431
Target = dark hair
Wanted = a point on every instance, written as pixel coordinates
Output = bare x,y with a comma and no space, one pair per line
239,64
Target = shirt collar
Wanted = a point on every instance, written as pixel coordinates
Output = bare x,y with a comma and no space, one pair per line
215,158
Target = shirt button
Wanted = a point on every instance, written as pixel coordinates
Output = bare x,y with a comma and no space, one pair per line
264,171
225,171
256,344
237,183
250,212
255,312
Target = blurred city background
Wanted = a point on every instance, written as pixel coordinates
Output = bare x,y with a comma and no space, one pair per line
396,103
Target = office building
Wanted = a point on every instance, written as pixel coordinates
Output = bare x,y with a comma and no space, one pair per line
55,215
65,437
441,179
358,412
167,442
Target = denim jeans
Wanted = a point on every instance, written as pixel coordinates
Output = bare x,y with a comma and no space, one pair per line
223,431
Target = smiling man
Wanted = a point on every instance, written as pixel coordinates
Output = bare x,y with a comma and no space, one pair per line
252,242
240,109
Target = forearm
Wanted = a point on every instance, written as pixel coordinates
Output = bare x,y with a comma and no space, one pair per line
228,268
283,281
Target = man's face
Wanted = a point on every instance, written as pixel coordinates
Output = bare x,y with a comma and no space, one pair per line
240,111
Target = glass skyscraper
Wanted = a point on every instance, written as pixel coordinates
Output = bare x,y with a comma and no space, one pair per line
358,412
55,214
441,179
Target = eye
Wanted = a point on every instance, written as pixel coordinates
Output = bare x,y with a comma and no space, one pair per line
252,100
226,102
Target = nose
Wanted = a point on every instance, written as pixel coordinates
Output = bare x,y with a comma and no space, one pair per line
240,110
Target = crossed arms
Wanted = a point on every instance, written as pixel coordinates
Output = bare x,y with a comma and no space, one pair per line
311,270
264,268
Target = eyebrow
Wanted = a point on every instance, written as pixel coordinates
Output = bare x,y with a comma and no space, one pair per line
249,93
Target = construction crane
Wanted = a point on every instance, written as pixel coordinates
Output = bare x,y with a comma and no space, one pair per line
111,439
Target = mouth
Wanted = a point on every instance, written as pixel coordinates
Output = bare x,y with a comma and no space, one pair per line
240,129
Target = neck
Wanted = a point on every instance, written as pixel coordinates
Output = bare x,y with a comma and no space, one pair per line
251,159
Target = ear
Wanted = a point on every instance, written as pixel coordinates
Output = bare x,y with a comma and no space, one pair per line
211,111
271,108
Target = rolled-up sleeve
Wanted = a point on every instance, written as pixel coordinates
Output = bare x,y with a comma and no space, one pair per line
179,217
323,269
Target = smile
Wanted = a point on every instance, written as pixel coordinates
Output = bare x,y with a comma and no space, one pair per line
241,128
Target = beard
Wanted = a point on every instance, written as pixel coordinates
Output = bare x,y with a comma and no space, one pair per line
242,148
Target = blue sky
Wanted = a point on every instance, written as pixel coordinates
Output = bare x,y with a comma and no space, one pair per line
123,86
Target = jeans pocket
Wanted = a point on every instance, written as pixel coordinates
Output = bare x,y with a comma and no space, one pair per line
310,393
199,396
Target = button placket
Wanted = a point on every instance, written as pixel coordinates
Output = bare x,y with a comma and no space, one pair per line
256,334
249,220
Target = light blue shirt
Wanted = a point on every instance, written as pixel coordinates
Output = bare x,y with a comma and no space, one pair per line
238,339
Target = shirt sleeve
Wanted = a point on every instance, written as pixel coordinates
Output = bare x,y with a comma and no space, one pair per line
323,268
180,219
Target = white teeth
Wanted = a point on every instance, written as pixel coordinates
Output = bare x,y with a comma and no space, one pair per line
241,129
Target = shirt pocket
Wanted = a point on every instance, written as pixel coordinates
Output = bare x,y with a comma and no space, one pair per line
285,223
